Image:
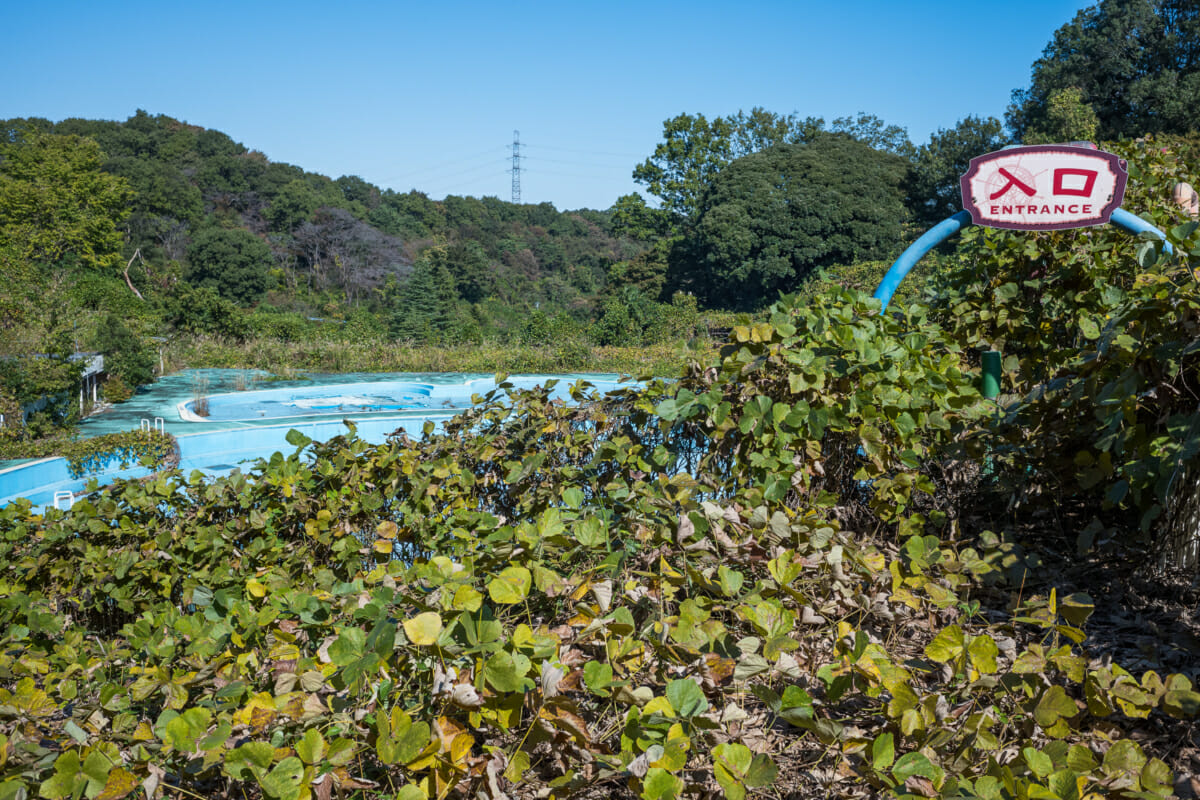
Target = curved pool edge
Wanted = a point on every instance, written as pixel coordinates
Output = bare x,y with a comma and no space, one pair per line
217,447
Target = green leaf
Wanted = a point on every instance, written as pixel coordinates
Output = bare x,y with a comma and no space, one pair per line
1125,756
573,497
311,747
796,705
401,740
983,651
731,580
1076,608
297,439
911,764
883,752
506,672
1156,778
68,778
731,762
249,760
598,677
348,647
591,532
518,764
762,772
686,697
182,732
1054,705
1181,232
285,781
1039,763
661,785
1181,703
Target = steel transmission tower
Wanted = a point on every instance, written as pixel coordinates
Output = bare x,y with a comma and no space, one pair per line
516,167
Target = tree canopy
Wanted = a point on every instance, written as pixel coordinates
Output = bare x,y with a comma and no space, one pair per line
1136,63
770,218
694,150
931,186
56,203
234,262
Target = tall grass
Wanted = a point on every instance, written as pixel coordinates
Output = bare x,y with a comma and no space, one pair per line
200,396
377,355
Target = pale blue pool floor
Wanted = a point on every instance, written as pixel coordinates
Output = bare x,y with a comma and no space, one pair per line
202,447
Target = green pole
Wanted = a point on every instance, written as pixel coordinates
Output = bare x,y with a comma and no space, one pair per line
991,374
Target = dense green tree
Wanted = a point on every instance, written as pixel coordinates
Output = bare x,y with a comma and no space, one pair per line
870,129
1135,62
771,218
470,267
125,355
691,154
294,204
694,150
201,310
1067,119
932,184
330,241
45,378
424,309
233,262
56,203
761,129
646,272
633,218
356,190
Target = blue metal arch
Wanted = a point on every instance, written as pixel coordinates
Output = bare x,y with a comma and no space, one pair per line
952,225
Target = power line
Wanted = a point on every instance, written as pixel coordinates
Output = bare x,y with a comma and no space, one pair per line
603,175
576,163
591,152
471,182
452,162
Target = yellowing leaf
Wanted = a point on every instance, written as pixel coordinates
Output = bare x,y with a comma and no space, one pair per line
510,586
119,784
423,629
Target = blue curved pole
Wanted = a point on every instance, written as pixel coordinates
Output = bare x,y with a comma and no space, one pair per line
952,225
1135,225
909,258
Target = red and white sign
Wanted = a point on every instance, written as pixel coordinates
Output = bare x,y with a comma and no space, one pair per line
1044,187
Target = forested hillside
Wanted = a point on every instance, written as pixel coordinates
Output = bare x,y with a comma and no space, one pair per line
206,212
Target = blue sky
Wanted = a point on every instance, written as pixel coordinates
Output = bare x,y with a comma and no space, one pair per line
427,95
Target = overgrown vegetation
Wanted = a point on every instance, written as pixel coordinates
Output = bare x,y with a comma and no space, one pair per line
815,564
93,456
765,574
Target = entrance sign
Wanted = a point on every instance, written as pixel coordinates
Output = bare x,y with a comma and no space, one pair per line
1044,187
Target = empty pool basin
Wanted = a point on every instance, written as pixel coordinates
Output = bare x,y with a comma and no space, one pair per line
245,426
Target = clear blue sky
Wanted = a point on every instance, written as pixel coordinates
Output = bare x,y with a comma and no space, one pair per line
427,95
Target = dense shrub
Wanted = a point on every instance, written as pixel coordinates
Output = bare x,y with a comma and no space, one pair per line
740,580
126,356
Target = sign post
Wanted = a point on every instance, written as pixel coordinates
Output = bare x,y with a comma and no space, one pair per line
1044,187
1031,188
